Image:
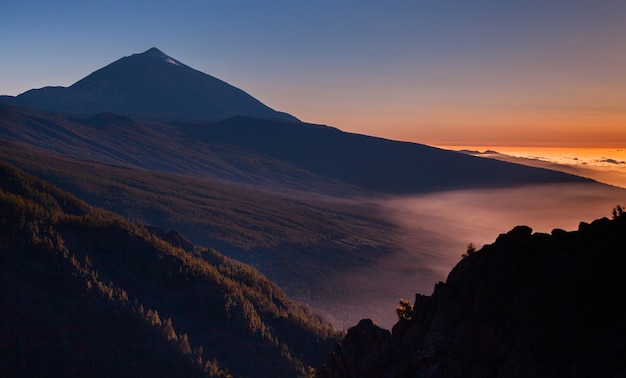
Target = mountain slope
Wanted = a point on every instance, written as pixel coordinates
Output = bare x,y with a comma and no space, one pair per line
368,162
149,85
528,305
158,146
82,282
299,240
271,153
245,141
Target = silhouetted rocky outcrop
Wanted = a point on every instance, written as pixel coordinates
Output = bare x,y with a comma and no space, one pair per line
363,351
529,305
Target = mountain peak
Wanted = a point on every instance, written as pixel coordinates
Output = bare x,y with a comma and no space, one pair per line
150,85
158,54
153,51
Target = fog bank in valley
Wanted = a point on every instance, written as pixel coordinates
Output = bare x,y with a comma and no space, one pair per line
435,229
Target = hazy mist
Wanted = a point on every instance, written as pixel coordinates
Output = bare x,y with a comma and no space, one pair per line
434,231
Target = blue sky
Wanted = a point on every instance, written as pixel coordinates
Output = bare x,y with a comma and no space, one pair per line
436,72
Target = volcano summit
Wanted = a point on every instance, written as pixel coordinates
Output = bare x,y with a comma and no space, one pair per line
149,85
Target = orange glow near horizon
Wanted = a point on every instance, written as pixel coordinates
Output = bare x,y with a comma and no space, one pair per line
607,165
464,128
556,154
492,109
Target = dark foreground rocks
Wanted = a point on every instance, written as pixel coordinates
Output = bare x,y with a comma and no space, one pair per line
528,305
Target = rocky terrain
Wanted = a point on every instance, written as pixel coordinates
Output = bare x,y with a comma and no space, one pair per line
528,305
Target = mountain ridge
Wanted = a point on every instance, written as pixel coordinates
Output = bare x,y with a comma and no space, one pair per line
271,153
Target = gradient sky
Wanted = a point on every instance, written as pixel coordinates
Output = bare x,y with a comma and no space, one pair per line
550,73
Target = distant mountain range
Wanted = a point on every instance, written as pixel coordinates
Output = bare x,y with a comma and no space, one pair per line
150,85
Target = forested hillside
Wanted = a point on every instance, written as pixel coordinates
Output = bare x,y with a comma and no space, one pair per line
86,293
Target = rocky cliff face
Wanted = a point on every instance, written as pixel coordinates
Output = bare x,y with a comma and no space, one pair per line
528,305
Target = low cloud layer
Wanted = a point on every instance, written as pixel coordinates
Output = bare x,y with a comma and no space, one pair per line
434,231
611,161
604,165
